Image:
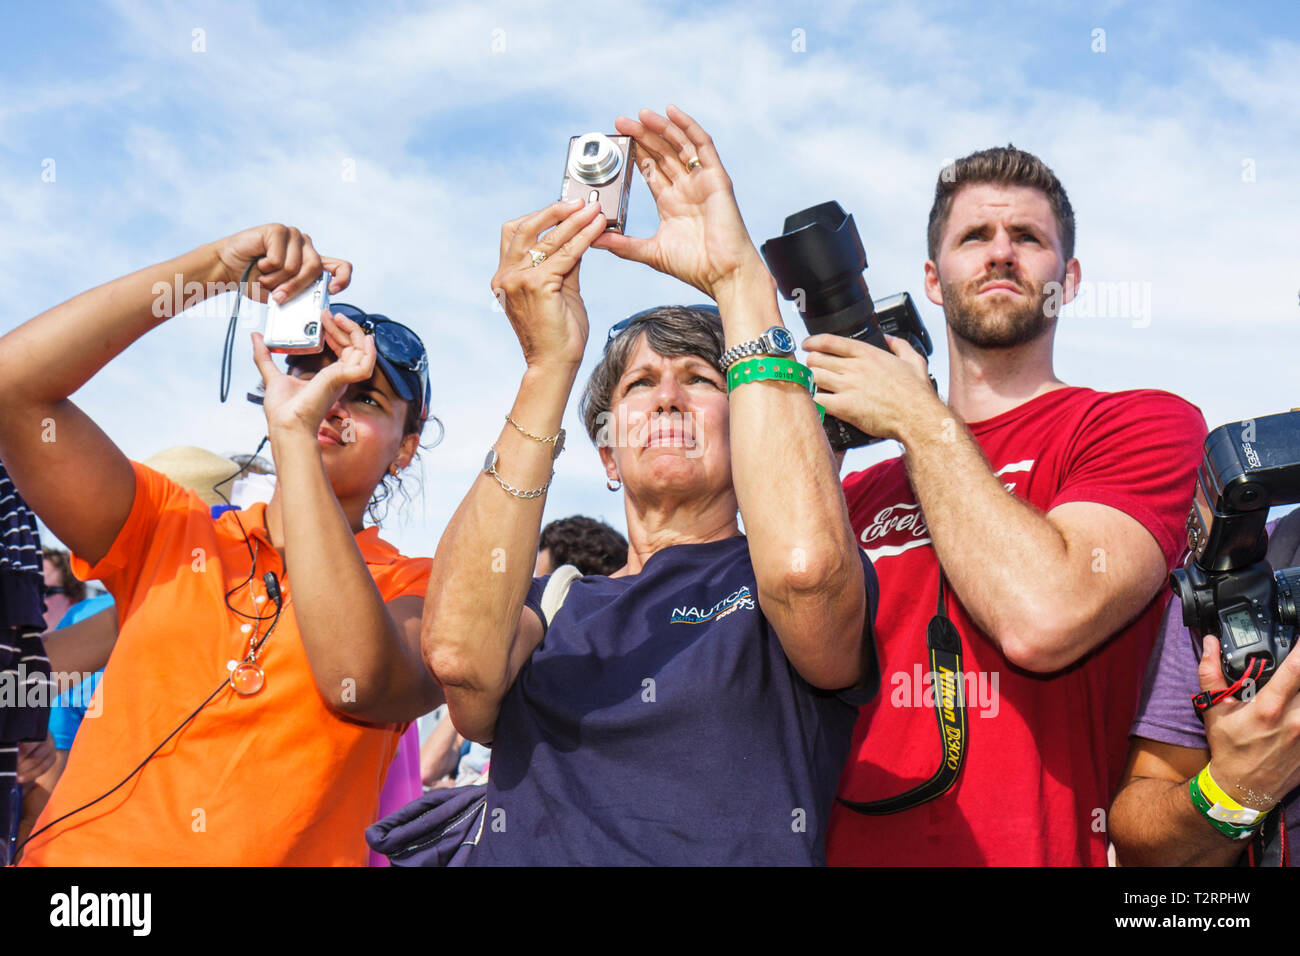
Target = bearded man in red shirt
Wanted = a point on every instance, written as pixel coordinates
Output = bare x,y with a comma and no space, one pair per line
1055,513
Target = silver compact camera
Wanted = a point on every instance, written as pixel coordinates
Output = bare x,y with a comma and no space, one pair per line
294,328
599,167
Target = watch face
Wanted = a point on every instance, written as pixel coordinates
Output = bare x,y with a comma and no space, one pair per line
782,339
490,461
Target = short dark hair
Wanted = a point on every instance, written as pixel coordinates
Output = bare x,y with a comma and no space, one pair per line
1002,166
591,546
671,330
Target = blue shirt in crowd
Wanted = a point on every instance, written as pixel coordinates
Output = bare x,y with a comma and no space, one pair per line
69,708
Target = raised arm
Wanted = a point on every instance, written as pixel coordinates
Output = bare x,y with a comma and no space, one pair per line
477,633
80,649
1047,588
806,561
364,652
68,470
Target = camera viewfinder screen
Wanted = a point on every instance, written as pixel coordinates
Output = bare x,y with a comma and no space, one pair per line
1239,627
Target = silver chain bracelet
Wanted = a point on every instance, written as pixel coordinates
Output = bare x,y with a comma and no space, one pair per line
490,468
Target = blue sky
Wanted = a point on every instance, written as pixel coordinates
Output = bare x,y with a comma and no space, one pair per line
1177,143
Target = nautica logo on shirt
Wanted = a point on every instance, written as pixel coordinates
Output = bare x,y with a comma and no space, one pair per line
739,600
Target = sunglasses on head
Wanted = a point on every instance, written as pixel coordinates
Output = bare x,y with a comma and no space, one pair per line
401,353
618,328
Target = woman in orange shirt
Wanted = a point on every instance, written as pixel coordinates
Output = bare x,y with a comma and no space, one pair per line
267,661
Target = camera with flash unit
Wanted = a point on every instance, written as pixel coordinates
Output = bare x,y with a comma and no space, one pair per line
1227,583
599,168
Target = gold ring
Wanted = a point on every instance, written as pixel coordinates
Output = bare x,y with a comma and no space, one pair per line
537,256
692,164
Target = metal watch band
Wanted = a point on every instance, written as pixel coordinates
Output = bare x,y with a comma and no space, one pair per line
763,345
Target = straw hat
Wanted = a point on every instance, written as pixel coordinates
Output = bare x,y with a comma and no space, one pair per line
197,469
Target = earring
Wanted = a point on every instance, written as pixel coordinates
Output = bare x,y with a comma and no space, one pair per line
613,484
392,469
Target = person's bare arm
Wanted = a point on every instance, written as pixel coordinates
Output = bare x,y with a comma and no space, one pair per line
80,649
806,561
477,632
364,653
1253,753
439,753
1029,579
36,792
69,472
1152,819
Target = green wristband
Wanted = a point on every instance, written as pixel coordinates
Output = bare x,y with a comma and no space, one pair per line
1205,807
769,368
774,369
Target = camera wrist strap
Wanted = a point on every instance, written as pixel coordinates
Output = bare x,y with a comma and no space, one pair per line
944,645
227,351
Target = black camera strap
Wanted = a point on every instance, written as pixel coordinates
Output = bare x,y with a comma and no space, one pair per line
944,646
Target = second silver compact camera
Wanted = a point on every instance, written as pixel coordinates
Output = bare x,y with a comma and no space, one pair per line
599,167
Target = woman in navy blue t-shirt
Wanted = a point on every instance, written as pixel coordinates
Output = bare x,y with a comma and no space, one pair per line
697,705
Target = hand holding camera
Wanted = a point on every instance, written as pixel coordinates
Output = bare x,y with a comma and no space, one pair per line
299,404
1254,744
285,262
701,237
537,280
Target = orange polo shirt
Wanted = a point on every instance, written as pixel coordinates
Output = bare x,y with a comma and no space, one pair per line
273,779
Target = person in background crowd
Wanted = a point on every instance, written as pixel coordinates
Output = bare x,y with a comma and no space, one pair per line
62,589
1051,513
267,661
591,546
695,706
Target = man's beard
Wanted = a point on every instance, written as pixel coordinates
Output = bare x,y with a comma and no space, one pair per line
996,323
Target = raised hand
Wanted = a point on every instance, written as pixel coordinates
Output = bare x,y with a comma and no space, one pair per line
286,261
701,238
299,404
537,280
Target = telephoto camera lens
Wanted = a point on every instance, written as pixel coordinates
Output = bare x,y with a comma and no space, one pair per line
818,262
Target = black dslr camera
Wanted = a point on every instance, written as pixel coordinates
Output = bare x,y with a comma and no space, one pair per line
1227,585
818,262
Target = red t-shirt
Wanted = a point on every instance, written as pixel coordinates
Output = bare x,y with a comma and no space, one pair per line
1044,752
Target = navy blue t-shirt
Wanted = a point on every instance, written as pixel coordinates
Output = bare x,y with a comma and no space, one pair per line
659,722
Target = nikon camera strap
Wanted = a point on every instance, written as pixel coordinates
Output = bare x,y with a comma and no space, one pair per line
944,645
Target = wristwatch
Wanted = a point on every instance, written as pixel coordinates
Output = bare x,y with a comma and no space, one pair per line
775,341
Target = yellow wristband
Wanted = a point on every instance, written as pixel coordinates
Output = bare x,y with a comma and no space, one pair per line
1214,792
1225,808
